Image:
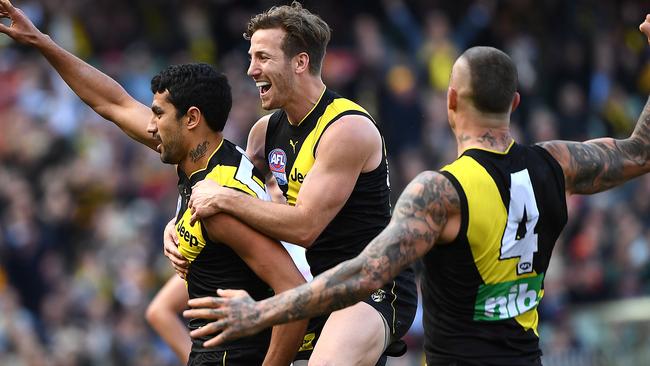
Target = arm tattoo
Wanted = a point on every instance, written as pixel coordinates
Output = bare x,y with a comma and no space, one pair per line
601,164
420,216
199,152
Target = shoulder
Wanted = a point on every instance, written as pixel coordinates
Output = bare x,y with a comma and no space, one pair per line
356,134
259,128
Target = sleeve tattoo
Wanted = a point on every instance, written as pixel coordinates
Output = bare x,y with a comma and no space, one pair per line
419,217
600,164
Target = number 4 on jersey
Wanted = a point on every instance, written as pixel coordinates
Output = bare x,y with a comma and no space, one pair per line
519,239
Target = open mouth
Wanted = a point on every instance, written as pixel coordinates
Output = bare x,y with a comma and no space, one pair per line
263,86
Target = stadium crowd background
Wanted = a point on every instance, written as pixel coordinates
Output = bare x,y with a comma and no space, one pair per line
82,207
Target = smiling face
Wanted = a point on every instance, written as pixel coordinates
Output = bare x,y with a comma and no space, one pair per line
167,129
271,68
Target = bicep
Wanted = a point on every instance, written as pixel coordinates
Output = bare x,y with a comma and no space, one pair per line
596,165
342,153
265,256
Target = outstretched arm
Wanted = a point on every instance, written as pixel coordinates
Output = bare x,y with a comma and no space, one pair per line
271,262
423,214
103,94
597,165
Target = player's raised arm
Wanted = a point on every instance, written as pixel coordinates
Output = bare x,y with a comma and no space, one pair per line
600,164
103,94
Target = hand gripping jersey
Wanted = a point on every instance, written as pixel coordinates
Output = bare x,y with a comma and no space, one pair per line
481,292
291,153
214,265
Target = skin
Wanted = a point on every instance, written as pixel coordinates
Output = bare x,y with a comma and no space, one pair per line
162,315
350,146
188,142
427,214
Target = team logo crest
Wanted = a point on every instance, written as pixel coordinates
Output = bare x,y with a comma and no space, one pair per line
378,296
278,164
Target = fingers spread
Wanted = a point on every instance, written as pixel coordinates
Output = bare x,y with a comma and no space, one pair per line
204,313
208,329
216,340
207,302
231,293
4,29
194,218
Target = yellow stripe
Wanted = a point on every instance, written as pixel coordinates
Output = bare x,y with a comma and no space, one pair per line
486,224
225,176
223,362
314,107
493,151
208,161
392,305
305,158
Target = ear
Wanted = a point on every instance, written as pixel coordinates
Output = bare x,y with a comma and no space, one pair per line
193,117
515,102
300,63
452,99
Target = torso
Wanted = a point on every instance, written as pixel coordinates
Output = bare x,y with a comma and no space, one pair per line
214,265
481,291
291,152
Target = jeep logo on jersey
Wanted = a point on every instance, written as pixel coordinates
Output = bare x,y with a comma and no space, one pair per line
278,164
297,176
508,299
186,235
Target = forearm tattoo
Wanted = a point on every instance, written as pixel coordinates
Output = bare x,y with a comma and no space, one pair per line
419,217
601,164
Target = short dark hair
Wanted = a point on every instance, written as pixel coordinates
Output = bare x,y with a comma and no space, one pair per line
199,85
493,78
305,31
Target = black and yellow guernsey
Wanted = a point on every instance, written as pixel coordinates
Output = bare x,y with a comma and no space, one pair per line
482,291
291,152
214,265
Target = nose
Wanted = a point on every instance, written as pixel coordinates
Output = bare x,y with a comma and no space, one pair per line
152,128
253,69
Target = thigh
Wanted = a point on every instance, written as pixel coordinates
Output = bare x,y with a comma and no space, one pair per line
352,336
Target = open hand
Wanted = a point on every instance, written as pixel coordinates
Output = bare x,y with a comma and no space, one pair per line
21,29
204,200
170,249
235,315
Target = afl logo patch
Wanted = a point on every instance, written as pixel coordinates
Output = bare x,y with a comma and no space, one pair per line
278,164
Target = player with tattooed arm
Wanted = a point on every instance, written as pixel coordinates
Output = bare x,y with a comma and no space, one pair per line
484,226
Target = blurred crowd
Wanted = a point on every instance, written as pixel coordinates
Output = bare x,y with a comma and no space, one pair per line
82,207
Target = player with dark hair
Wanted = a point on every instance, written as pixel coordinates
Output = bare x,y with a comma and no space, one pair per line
485,227
190,107
318,142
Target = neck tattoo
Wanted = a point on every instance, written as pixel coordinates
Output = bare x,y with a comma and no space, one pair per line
199,152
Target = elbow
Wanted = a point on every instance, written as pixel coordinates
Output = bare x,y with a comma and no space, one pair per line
156,313
152,314
306,237
370,284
